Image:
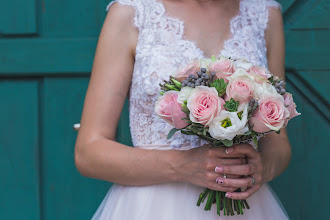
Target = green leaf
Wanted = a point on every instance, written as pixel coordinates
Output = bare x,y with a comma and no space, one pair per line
213,58
171,133
247,133
185,108
177,83
255,140
231,105
220,85
217,143
171,87
228,143
187,132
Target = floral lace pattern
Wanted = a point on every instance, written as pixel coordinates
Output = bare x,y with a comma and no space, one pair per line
161,49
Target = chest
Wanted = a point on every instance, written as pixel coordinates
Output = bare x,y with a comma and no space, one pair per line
205,24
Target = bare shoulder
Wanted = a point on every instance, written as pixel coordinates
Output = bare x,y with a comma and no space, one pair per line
119,24
275,19
119,13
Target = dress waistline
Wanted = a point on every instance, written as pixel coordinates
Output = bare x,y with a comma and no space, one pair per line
163,147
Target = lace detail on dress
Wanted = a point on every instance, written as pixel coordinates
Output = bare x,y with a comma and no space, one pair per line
272,3
139,13
161,49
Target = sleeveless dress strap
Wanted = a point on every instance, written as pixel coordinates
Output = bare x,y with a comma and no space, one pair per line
138,6
273,3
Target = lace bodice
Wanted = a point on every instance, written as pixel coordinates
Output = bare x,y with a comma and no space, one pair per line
161,49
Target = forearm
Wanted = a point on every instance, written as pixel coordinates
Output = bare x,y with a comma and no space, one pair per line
275,153
114,162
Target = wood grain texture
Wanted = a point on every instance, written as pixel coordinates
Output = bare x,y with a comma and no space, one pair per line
303,187
63,18
67,194
18,17
19,150
46,55
43,56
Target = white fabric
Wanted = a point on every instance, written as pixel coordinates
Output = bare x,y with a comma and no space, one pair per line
161,50
177,201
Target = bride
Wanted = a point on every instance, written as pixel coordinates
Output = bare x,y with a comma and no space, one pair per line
142,42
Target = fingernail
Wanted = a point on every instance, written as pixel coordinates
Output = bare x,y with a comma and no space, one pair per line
218,169
229,150
219,181
228,195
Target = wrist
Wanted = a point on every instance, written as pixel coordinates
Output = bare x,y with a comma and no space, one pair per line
268,170
177,158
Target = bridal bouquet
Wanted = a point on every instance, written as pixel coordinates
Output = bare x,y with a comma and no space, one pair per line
224,102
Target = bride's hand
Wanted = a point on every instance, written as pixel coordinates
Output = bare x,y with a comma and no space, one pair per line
198,166
253,172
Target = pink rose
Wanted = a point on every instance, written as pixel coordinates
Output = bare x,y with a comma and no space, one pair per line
261,74
169,109
222,68
271,114
184,72
290,105
241,89
204,104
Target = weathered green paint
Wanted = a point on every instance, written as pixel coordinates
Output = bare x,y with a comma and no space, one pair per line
18,17
63,187
46,54
303,187
19,150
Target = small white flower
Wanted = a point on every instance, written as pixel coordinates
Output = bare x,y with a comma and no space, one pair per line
204,63
238,126
237,73
184,94
263,90
242,64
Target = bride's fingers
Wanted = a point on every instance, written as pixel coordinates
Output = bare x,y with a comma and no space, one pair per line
245,169
239,183
236,161
217,187
243,195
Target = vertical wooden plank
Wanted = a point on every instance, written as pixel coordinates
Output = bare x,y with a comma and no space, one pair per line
64,18
67,194
303,187
19,150
18,17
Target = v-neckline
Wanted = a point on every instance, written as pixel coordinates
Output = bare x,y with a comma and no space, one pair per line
182,25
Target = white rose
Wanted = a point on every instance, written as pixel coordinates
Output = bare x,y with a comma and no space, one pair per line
264,89
204,63
218,128
184,94
243,64
237,73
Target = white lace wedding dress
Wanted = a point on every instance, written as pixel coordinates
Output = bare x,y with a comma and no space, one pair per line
161,49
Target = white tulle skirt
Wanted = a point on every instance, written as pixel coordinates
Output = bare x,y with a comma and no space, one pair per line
177,201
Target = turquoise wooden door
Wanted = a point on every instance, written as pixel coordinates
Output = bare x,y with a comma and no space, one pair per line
303,187
46,53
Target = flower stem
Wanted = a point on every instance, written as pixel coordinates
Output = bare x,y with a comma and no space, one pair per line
224,204
210,200
240,207
246,204
202,196
217,197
